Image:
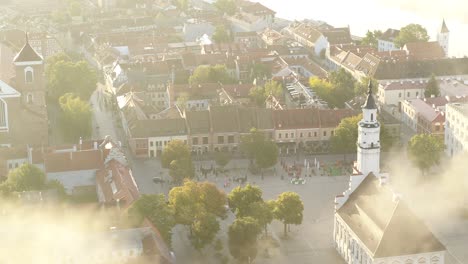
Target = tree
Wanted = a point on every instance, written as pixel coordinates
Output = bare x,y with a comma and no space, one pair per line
197,205
66,76
345,136
425,151
210,74
338,90
240,199
262,212
156,209
371,38
213,199
274,88
25,178
226,6
361,87
176,156
221,35
432,87
58,187
204,229
242,239
222,158
267,155
259,71
257,95
258,148
411,33
76,117
289,209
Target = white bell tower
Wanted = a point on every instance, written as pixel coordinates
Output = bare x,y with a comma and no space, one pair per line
443,38
368,144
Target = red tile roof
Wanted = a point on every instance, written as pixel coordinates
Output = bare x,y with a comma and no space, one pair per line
425,50
75,160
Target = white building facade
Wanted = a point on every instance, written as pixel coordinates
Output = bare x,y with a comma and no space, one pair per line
456,129
372,225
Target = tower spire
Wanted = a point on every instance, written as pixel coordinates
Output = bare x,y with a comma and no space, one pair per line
370,102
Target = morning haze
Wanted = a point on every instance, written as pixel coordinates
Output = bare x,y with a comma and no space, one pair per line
233,131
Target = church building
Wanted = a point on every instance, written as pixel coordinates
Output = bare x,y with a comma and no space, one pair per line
23,112
373,225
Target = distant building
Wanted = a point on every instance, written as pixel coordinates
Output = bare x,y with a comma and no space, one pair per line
372,223
386,41
443,38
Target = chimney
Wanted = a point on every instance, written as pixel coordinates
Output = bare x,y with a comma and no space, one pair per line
74,148
81,142
95,145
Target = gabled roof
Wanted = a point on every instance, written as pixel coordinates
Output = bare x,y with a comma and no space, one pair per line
386,226
27,53
425,50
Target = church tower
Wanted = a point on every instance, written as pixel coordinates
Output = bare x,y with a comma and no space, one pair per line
368,144
443,38
30,80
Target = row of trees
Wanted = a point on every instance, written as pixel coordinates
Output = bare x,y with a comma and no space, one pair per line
200,207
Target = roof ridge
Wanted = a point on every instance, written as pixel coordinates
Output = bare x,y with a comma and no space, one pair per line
386,226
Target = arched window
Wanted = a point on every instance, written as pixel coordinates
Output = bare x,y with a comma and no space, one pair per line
409,261
28,74
422,261
3,116
435,260
29,99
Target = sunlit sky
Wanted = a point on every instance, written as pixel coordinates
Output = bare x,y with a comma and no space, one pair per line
362,15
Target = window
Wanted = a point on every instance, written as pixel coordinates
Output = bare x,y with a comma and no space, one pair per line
310,134
332,132
279,135
324,133
417,94
301,134
28,75
3,115
220,139
286,135
399,95
151,143
371,117
195,141
408,94
29,99
292,135
230,139
315,134
205,140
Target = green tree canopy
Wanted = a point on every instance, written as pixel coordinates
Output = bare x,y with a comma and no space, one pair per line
259,71
425,150
76,117
372,38
240,199
156,209
226,6
258,148
262,212
257,95
361,87
25,178
289,209
210,74
67,76
432,87
411,33
221,35
176,156
338,90
275,88
345,136
242,238
197,205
